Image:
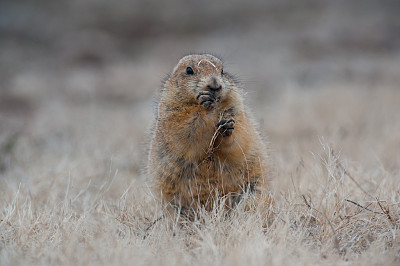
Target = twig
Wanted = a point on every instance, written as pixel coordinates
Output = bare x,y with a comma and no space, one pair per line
337,246
386,211
336,240
214,137
341,167
358,184
365,208
305,200
150,226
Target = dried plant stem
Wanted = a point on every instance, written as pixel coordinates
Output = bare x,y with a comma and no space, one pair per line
336,240
365,208
342,168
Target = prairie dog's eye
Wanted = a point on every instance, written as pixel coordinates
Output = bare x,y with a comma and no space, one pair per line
222,71
189,71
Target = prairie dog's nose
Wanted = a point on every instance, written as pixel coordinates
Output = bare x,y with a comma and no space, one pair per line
214,84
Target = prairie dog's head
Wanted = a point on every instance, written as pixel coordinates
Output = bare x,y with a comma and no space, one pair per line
198,73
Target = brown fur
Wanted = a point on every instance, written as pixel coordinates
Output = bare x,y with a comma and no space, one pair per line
205,143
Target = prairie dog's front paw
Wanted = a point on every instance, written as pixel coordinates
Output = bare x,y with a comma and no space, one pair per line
206,99
226,127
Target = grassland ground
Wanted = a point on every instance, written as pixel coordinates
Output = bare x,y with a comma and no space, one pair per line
73,189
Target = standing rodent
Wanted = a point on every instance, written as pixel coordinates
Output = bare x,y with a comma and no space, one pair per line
204,141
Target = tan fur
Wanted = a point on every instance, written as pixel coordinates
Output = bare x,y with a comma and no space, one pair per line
191,159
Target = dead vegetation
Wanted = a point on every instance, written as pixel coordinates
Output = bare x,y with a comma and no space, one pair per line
76,79
79,196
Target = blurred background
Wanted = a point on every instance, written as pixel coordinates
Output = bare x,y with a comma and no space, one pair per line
77,77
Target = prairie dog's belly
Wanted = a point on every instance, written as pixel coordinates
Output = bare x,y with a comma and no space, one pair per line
198,182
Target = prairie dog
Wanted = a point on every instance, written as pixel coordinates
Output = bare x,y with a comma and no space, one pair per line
204,143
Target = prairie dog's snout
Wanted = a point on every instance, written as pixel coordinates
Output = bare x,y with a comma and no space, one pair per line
213,84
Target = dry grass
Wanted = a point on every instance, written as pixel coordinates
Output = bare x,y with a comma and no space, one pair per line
75,85
72,189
